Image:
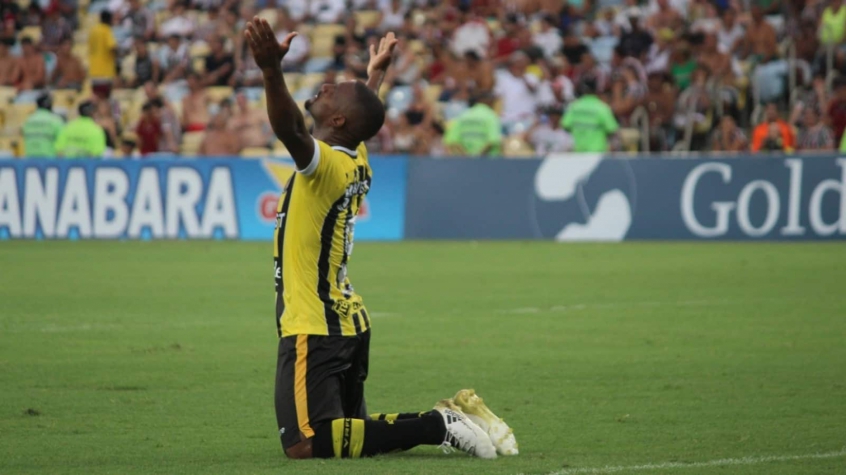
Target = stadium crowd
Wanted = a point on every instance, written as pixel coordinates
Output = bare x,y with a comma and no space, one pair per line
472,77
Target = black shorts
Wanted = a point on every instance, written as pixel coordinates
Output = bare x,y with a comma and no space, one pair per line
319,379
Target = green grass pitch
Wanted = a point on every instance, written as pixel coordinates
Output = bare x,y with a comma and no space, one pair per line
147,358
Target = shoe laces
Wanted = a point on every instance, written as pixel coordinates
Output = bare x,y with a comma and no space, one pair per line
447,447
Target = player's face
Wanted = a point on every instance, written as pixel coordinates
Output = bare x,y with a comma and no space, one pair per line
328,103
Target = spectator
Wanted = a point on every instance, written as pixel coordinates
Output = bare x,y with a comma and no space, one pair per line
547,136
606,25
419,112
832,24
300,47
406,69
665,16
391,15
814,98
730,32
218,140
41,130
33,67
589,120
146,67
659,54
102,55
149,130
171,131
472,35
213,26
636,41
480,71
327,11
179,23
69,72
760,42
104,118
139,22
508,43
548,39
694,109
815,135
195,106
82,137
516,90
719,64
773,134
220,65
626,94
682,65
55,29
477,131
128,146
10,66
728,137
660,104
837,109
173,59
250,125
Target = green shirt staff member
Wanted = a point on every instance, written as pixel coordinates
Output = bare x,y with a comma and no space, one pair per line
41,129
477,131
589,120
82,137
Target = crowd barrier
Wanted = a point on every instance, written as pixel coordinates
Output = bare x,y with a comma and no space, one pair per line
564,198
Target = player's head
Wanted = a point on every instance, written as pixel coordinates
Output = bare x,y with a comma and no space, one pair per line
587,86
349,108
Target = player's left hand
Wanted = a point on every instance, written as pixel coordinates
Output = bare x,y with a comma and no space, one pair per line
380,58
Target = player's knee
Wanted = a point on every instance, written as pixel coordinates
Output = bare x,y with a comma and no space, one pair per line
301,450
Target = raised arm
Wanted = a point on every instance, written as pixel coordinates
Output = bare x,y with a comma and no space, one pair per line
285,117
380,60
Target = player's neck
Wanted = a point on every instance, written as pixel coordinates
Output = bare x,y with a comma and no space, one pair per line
334,139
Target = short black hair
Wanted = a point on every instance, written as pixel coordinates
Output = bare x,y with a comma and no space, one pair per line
369,113
106,17
157,102
147,106
86,109
26,40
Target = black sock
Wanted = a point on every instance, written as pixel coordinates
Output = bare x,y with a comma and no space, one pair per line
352,438
398,416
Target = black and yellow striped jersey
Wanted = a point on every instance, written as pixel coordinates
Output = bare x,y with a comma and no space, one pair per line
313,241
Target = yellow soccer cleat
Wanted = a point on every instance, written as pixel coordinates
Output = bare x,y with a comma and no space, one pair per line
474,407
462,433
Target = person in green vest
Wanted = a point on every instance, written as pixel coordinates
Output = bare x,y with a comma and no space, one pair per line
477,131
832,29
82,137
589,120
41,129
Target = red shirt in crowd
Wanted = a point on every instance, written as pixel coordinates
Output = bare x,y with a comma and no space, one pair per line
837,114
149,131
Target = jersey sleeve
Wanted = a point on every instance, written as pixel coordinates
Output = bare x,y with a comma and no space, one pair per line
322,171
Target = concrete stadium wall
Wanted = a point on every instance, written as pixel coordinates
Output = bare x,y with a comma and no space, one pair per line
564,198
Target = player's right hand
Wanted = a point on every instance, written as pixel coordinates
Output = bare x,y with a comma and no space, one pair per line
267,52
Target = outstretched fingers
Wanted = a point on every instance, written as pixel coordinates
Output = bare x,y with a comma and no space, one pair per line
286,42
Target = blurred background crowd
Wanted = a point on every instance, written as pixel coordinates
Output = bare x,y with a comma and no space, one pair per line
472,77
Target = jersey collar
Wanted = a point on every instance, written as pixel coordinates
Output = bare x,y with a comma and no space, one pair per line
351,153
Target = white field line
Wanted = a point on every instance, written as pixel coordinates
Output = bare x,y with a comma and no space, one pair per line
651,467
584,306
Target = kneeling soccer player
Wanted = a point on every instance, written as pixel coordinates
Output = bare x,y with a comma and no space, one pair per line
323,326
